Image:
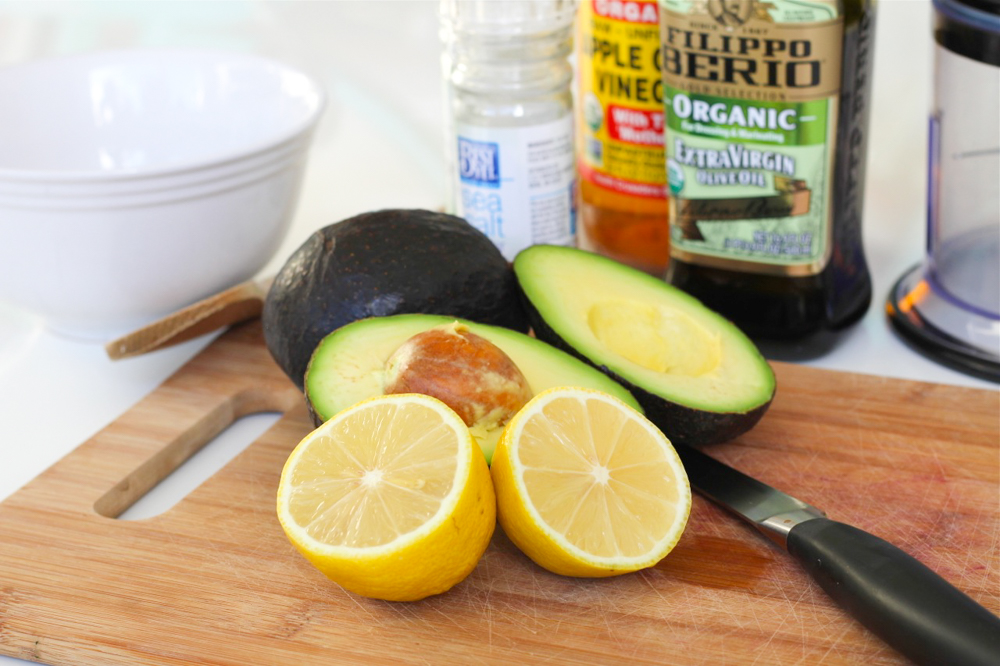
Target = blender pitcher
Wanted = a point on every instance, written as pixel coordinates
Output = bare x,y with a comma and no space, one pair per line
948,307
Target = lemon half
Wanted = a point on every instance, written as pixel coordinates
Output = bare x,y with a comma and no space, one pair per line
391,498
587,486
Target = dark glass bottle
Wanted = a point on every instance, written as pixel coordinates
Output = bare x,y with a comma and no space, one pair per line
797,304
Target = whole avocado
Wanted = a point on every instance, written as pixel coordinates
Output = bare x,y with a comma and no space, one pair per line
382,263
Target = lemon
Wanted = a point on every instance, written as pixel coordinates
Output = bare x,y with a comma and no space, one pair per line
391,498
587,486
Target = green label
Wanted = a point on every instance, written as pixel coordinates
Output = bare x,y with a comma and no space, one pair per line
783,124
751,101
749,180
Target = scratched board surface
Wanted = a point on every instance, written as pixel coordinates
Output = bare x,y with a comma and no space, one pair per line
213,580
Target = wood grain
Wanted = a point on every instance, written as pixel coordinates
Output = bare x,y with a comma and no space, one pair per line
214,581
235,305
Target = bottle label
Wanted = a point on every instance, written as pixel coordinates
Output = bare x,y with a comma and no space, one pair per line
621,96
516,184
751,97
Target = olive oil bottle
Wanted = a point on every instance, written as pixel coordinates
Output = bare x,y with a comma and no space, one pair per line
767,107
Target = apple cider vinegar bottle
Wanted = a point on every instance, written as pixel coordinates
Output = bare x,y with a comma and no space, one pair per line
623,205
766,128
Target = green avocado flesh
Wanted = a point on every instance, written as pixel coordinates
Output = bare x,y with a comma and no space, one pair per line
698,377
348,365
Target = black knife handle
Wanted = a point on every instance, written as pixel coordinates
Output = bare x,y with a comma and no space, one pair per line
899,599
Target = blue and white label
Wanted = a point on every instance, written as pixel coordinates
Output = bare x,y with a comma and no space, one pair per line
478,162
516,184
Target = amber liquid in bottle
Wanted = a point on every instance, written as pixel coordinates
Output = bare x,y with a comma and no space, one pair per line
797,316
632,231
622,182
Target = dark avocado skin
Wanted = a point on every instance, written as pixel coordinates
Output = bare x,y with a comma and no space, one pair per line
681,425
382,263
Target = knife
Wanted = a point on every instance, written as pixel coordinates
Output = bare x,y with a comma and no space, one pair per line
899,599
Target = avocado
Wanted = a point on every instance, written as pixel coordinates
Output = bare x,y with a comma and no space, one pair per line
697,376
349,364
382,263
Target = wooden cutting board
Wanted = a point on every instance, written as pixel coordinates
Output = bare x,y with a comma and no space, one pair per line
214,581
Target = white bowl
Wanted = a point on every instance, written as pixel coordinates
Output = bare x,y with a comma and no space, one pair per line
135,182
96,270
41,194
39,189
144,113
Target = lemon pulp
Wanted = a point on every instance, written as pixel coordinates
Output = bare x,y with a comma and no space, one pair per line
391,498
587,486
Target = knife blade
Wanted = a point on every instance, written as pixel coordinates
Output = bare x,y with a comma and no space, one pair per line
893,594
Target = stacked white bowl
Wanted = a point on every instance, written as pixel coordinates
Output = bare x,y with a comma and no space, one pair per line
133,183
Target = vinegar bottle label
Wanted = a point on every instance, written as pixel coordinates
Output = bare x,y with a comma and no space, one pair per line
751,95
516,184
621,96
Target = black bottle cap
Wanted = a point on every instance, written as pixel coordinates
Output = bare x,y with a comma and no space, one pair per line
970,28
988,6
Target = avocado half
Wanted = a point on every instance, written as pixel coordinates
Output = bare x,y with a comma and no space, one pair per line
697,376
348,365
382,263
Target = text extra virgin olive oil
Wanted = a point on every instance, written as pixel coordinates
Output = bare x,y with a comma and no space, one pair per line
766,127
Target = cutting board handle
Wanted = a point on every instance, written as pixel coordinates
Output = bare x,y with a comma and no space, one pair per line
184,443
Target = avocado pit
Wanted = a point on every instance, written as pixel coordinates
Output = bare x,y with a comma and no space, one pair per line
463,370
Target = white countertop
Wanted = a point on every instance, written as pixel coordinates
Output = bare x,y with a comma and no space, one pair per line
380,145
